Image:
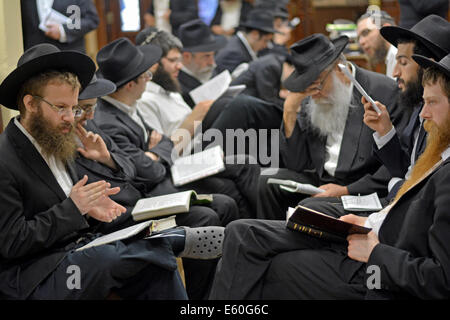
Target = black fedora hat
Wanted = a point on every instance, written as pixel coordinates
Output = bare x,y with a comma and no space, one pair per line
97,88
260,19
196,36
443,65
121,61
38,59
310,56
433,32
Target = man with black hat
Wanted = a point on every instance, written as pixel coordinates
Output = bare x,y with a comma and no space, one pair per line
404,258
243,47
399,150
323,139
45,207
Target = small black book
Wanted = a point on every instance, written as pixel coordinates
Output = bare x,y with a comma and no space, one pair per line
320,225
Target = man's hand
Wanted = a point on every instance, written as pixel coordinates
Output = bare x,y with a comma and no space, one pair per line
53,31
292,105
84,196
152,155
332,190
201,109
351,218
360,246
381,123
105,209
94,147
155,138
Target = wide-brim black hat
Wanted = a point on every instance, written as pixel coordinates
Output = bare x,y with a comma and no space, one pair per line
97,88
310,56
121,61
196,36
40,58
443,65
260,19
433,32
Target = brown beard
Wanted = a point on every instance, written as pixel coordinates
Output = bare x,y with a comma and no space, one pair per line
438,140
51,140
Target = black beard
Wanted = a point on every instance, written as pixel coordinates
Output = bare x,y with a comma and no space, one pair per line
163,78
412,95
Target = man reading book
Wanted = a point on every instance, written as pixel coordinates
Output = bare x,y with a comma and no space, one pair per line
323,140
264,260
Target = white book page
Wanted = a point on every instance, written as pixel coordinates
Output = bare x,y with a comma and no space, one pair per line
293,186
53,16
197,166
161,202
369,202
212,89
118,235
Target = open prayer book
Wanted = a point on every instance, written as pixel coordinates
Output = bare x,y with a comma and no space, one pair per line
293,186
215,88
370,202
197,166
320,225
167,204
147,228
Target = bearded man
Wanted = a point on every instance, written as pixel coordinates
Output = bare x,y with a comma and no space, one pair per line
407,245
324,141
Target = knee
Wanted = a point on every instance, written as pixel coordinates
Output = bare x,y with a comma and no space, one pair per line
226,208
200,216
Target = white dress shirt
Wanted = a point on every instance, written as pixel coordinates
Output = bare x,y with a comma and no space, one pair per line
162,110
56,167
44,7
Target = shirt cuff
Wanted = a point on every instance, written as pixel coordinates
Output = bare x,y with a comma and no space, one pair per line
375,220
62,33
393,182
381,141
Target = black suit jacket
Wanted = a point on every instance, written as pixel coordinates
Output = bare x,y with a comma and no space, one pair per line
37,219
263,79
129,137
357,168
232,55
413,254
32,35
187,83
245,9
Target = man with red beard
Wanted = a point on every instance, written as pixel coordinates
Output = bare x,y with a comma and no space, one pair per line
46,209
264,260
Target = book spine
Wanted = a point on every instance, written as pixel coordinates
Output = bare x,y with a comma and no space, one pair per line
314,232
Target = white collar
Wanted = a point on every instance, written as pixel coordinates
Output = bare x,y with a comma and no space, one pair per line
155,88
120,105
445,154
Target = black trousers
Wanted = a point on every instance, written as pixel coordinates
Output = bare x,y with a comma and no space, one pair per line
273,202
264,260
247,112
141,269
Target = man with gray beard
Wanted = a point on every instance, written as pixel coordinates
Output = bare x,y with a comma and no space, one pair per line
324,141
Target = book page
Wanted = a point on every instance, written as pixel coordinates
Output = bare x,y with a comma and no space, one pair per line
118,235
293,186
53,16
369,202
212,89
162,203
197,166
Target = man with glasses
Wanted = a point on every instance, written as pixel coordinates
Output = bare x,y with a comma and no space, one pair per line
324,141
372,43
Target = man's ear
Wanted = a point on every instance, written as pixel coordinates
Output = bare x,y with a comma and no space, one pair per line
29,104
187,56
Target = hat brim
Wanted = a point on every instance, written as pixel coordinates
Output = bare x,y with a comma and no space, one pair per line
425,62
219,42
251,26
99,88
298,82
393,33
72,61
151,53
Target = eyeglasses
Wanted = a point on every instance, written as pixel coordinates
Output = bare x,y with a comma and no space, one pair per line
85,110
62,111
320,86
147,74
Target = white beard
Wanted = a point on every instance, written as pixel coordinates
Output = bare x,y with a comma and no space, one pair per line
205,74
329,115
